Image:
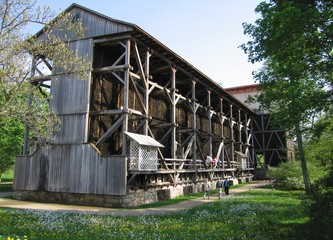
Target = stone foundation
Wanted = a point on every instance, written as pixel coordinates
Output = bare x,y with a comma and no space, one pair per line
132,199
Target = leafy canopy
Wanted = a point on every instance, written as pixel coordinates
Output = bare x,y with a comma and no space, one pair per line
293,39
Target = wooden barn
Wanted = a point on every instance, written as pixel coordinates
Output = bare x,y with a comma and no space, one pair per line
144,126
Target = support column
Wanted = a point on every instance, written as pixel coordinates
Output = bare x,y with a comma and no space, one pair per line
232,122
194,127
126,91
173,113
26,130
247,141
222,132
240,131
146,95
252,143
209,123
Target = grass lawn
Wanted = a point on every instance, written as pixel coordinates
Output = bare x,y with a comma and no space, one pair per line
257,214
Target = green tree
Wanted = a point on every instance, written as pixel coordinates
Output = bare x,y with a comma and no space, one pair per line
21,100
319,147
10,143
319,150
293,39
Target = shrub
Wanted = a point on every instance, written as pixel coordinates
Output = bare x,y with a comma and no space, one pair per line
320,207
287,175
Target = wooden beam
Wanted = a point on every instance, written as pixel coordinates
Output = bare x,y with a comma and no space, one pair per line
111,68
173,112
107,112
111,130
126,94
139,64
143,105
111,40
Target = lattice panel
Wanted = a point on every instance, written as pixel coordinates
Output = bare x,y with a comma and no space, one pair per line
142,157
148,158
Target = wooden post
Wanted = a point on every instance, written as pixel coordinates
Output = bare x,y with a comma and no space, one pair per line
26,130
232,135
209,123
146,95
222,132
252,143
194,127
173,113
240,130
247,140
126,91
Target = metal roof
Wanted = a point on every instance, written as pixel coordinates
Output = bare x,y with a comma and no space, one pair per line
144,140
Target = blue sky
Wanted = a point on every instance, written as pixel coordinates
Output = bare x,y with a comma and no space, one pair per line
205,33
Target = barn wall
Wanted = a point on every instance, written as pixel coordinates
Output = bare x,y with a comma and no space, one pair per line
70,94
99,26
70,100
73,169
27,171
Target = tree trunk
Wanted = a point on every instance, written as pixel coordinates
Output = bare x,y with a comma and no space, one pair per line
304,167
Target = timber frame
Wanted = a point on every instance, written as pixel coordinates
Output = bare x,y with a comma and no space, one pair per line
159,97
272,145
136,85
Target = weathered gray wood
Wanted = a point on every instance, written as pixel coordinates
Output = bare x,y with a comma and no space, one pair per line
27,172
99,25
72,129
73,169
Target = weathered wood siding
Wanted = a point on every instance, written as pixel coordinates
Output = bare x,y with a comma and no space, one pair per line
71,168
70,100
96,24
99,25
73,129
27,172
70,94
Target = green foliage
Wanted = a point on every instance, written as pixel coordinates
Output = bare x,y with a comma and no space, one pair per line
289,175
262,214
296,36
320,209
20,99
8,176
320,203
319,148
293,39
10,142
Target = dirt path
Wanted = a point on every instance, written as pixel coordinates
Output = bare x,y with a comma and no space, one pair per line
12,203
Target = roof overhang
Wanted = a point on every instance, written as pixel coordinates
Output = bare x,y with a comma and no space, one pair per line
143,139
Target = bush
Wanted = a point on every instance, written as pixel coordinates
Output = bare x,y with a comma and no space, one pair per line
287,176
320,207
